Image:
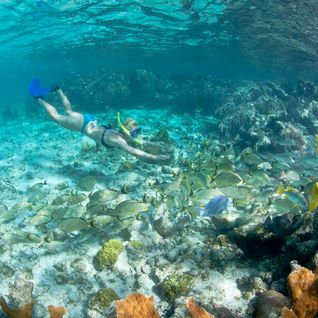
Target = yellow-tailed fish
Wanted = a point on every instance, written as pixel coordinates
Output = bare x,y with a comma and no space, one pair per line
280,189
103,196
37,186
62,199
76,198
73,224
313,200
100,220
316,139
128,208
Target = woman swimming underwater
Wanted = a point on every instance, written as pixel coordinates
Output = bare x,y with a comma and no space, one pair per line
89,126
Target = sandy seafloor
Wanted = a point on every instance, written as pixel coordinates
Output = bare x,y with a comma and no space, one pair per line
37,150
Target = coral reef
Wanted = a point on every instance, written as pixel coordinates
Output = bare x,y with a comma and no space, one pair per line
108,254
270,116
109,88
153,211
136,306
266,116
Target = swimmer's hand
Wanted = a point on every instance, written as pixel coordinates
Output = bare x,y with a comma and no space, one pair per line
157,159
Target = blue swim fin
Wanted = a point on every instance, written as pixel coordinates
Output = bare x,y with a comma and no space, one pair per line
36,90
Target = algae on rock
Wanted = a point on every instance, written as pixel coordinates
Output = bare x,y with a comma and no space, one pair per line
175,285
108,254
137,245
104,298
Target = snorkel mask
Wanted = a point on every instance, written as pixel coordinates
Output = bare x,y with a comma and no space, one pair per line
134,132
130,129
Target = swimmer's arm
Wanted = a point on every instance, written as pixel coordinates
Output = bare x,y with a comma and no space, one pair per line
141,155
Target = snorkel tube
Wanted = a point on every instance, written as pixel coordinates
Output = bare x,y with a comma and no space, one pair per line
126,132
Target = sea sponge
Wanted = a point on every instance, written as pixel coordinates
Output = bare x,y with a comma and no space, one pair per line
108,254
23,312
57,312
175,285
195,310
303,289
105,297
136,306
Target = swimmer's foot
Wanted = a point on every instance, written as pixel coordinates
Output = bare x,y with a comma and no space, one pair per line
36,90
55,88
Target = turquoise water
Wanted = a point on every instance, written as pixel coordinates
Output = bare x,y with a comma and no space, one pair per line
246,39
223,205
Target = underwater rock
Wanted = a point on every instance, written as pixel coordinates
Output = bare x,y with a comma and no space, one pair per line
20,292
254,242
87,145
223,312
227,222
195,310
270,304
135,250
162,224
220,252
284,224
251,285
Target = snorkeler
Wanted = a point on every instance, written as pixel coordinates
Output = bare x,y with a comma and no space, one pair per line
103,135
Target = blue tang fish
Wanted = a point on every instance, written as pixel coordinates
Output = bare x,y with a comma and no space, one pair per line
215,206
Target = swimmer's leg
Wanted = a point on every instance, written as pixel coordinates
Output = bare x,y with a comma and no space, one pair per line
66,103
51,110
65,121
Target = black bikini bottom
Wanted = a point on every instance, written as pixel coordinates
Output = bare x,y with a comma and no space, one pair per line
103,142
